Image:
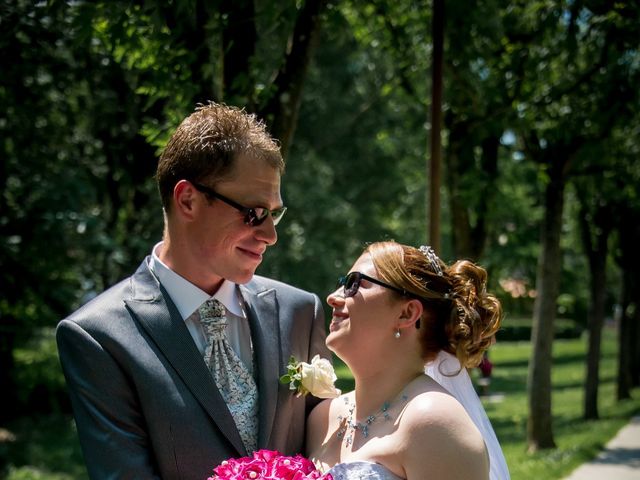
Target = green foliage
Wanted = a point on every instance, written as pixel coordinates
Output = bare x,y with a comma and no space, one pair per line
360,180
112,80
91,91
73,158
45,447
41,385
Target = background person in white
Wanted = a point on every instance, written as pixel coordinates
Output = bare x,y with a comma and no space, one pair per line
145,403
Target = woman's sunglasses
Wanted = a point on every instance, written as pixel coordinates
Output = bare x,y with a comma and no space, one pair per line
351,284
252,216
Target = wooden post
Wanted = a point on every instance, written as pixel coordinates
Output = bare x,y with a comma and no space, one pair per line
436,125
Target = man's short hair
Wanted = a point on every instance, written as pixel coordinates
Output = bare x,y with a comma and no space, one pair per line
206,144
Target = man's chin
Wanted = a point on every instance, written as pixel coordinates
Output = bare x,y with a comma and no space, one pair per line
243,277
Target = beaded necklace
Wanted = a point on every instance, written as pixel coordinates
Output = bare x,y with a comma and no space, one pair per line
349,426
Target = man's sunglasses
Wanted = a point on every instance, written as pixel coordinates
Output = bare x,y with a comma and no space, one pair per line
252,216
351,284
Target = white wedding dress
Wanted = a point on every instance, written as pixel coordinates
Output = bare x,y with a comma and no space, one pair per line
361,470
442,370
445,370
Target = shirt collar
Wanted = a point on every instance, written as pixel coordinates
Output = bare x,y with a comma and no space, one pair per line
185,295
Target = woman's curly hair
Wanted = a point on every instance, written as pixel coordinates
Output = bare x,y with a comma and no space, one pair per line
460,316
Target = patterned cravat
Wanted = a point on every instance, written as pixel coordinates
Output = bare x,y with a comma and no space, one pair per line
235,382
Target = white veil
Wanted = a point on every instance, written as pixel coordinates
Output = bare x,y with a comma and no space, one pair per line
461,387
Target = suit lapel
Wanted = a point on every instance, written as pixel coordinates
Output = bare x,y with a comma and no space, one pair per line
161,320
263,316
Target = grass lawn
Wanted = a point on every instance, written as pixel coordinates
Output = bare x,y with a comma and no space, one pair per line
47,447
577,440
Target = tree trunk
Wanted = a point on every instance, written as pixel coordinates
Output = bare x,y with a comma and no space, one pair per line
459,161
188,27
629,261
436,125
282,110
469,240
595,246
8,326
239,39
634,367
595,322
490,145
539,425
623,390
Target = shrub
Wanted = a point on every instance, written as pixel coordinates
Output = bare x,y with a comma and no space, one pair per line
39,380
519,329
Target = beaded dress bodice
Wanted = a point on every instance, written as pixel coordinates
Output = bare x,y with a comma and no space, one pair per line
361,470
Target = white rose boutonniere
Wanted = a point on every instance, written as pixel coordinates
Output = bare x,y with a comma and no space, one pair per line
316,378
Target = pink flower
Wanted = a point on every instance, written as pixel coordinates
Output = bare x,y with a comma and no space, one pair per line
268,465
267,455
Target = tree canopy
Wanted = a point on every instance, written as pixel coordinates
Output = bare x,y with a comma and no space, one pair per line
541,128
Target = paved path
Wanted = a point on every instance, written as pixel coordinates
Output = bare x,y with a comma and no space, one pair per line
620,460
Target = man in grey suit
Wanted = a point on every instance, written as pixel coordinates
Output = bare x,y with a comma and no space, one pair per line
145,402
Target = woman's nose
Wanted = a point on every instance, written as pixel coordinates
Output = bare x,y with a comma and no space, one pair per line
336,297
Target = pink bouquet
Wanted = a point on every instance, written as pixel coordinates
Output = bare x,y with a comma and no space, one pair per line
268,465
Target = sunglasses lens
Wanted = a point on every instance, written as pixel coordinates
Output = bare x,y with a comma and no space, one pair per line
278,214
351,284
257,216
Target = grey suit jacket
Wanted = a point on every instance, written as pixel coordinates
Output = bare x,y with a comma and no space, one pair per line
144,402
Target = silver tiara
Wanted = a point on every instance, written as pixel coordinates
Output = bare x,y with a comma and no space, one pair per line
433,259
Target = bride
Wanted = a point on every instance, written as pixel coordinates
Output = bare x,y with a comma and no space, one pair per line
399,308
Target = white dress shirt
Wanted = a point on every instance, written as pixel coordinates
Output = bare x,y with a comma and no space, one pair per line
188,298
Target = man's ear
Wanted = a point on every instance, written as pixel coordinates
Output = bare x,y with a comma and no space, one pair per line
411,312
183,199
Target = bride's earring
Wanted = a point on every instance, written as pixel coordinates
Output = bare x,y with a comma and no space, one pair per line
397,334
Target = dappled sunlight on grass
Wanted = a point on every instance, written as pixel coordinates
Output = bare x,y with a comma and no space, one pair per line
577,440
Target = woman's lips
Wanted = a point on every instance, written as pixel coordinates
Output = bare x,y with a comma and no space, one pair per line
336,320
